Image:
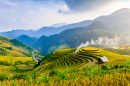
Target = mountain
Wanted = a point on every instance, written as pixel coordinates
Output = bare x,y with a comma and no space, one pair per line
27,40
116,21
47,31
119,21
71,38
59,24
15,33
14,48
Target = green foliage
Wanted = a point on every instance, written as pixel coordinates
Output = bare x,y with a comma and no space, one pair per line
34,75
27,77
86,69
45,79
17,43
63,77
3,77
15,48
14,84
116,66
3,52
18,63
53,72
4,63
9,48
3,38
18,76
30,62
104,67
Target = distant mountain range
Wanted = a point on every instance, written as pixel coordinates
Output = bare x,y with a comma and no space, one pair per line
47,31
59,24
71,35
71,38
15,33
117,21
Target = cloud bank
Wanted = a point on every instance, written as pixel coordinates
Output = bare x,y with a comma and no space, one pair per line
33,14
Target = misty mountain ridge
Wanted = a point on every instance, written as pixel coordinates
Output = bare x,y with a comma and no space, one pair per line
15,33
59,24
71,38
116,21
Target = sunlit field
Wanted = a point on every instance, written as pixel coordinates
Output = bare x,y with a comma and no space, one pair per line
64,67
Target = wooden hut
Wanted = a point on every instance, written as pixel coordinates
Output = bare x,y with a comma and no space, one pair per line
103,59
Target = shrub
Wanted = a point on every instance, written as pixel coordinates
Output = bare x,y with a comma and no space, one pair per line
18,63
4,63
63,76
30,62
104,67
27,77
45,79
85,69
14,84
18,76
34,76
53,72
3,77
34,81
115,66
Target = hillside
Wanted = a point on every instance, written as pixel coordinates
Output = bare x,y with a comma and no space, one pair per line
72,38
65,67
85,57
27,40
14,48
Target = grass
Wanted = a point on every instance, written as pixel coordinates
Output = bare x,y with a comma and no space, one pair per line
86,57
14,48
96,75
65,68
15,60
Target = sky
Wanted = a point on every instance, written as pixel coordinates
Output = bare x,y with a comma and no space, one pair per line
34,14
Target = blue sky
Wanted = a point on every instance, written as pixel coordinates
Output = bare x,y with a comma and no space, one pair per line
34,14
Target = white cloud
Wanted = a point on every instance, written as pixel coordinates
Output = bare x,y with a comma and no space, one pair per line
27,14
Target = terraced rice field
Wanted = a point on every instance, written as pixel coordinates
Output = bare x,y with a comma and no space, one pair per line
85,57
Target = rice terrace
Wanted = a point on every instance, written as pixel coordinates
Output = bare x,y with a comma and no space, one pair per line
65,43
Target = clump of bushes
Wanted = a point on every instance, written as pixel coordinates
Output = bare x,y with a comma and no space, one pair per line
4,63
18,76
104,67
18,63
53,72
3,52
3,77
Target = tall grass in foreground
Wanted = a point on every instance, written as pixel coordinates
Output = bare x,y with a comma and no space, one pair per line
101,75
